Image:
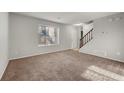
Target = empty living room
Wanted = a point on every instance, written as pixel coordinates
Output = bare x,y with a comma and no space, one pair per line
61,46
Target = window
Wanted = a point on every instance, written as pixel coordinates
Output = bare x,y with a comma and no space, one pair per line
48,35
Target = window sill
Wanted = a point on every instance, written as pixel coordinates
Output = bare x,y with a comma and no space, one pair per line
47,45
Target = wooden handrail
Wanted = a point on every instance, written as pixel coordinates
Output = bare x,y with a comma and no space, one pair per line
86,38
87,34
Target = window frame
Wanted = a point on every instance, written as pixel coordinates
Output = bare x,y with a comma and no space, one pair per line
58,32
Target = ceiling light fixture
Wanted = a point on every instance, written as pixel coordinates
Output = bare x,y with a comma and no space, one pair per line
80,24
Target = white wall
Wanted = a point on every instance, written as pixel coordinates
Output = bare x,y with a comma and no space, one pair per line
87,28
108,38
24,36
3,42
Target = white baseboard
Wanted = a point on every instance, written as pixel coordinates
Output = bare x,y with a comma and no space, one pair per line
103,57
4,68
37,54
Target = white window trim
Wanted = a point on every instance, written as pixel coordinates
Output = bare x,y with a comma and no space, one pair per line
58,40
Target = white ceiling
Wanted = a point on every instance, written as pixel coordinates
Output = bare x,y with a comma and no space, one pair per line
68,17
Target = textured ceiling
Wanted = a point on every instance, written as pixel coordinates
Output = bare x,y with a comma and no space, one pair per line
68,17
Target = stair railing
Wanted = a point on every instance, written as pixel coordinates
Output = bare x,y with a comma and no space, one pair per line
86,38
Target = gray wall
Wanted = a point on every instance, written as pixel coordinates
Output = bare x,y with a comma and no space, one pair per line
3,42
108,38
24,36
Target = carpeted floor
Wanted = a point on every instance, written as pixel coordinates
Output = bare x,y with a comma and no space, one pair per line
66,65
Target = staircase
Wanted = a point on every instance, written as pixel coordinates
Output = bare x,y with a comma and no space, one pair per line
86,38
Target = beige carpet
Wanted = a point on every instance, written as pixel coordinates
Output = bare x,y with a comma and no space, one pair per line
66,65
